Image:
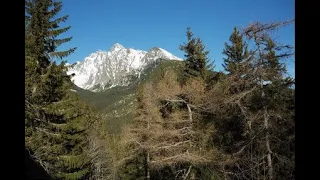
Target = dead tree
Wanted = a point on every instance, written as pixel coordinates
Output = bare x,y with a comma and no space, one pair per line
255,154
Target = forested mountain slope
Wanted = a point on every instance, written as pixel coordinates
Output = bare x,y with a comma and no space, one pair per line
117,104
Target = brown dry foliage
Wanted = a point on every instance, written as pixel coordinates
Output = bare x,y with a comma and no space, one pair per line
169,139
194,91
168,86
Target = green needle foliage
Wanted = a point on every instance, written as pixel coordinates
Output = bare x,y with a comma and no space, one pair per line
236,54
56,121
196,56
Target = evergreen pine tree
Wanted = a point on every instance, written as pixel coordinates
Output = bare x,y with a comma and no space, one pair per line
265,109
272,94
56,120
236,54
43,30
238,62
57,133
196,56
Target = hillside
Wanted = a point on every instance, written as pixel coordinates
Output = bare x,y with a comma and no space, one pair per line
116,104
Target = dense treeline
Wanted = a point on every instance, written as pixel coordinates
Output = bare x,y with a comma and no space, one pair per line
238,125
189,122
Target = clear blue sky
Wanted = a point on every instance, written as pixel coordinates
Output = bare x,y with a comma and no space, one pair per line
143,24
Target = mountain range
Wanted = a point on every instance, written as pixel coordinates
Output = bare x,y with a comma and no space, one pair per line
103,70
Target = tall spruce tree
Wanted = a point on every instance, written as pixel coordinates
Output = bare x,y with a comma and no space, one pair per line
236,53
55,120
196,57
43,30
265,109
269,101
238,62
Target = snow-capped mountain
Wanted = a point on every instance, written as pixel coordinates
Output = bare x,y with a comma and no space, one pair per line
101,70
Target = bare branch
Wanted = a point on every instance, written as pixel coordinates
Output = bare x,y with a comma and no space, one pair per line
187,174
172,145
188,106
46,131
240,96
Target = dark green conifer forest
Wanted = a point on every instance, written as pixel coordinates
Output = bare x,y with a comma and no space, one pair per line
188,121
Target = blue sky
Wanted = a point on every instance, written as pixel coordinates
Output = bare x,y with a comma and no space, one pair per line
143,24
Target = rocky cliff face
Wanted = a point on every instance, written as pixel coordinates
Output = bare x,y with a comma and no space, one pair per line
102,70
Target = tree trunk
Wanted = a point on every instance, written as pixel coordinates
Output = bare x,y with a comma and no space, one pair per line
187,173
148,155
269,160
148,169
